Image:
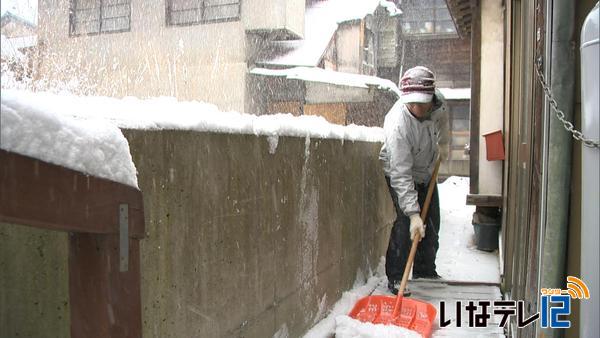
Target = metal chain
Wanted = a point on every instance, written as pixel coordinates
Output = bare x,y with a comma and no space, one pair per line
559,113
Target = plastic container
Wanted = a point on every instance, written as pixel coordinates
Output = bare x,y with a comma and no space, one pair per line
486,236
486,229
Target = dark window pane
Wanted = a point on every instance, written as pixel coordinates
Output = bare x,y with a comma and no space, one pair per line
86,4
189,16
112,11
115,24
221,12
178,5
445,27
86,27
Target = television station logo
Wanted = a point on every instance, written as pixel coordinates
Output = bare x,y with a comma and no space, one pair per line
555,307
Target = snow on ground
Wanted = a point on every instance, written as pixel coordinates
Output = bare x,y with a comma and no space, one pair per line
92,146
457,260
168,113
347,327
458,257
326,327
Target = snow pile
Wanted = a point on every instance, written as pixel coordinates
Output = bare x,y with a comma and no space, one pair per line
330,76
92,146
168,113
327,326
347,327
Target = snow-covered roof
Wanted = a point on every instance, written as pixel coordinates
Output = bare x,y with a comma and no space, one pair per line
10,16
40,129
321,20
312,74
456,93
8,50
11,47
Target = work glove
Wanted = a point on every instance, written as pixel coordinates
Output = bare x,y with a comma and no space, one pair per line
443,150
416,224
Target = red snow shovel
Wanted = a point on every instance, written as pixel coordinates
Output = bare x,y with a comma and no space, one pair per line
410,313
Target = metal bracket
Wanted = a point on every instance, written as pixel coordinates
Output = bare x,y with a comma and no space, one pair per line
123,237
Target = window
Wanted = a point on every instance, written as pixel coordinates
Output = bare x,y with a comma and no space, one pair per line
427,17
189,12
99,16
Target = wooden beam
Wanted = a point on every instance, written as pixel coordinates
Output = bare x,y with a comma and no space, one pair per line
44,195
475,97
105,302
104,283
484,200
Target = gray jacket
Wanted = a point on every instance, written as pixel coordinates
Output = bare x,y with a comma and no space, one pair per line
410,149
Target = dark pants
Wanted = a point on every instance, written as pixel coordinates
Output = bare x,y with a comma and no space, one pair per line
400,243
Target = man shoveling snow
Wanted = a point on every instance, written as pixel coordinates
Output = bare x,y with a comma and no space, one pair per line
416,131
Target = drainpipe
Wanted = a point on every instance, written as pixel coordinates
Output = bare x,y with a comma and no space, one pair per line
556,176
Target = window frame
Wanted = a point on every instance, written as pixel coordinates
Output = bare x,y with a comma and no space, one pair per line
169,23
435,9
72,16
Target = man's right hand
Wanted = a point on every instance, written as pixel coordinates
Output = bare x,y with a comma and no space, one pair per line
416,224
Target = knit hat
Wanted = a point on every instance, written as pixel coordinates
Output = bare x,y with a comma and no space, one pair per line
417,85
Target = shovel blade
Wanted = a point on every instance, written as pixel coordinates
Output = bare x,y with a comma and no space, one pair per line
414,314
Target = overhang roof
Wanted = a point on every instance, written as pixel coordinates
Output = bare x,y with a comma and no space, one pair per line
462,14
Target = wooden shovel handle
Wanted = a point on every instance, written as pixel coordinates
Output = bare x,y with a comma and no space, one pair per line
415,243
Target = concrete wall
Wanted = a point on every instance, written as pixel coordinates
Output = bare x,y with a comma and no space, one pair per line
247,236
34,277
491,91
204,62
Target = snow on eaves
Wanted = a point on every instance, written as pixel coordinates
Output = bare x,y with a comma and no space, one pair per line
456,93
313,74
39,129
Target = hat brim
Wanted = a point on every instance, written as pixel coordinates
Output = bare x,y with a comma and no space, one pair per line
417,98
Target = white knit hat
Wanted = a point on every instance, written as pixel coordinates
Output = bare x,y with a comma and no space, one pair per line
417,85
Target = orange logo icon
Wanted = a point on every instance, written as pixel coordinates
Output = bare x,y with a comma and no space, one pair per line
577,288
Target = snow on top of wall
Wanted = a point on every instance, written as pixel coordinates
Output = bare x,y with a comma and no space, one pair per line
83,115
38,129
168,113
329,76
321,21
456,93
